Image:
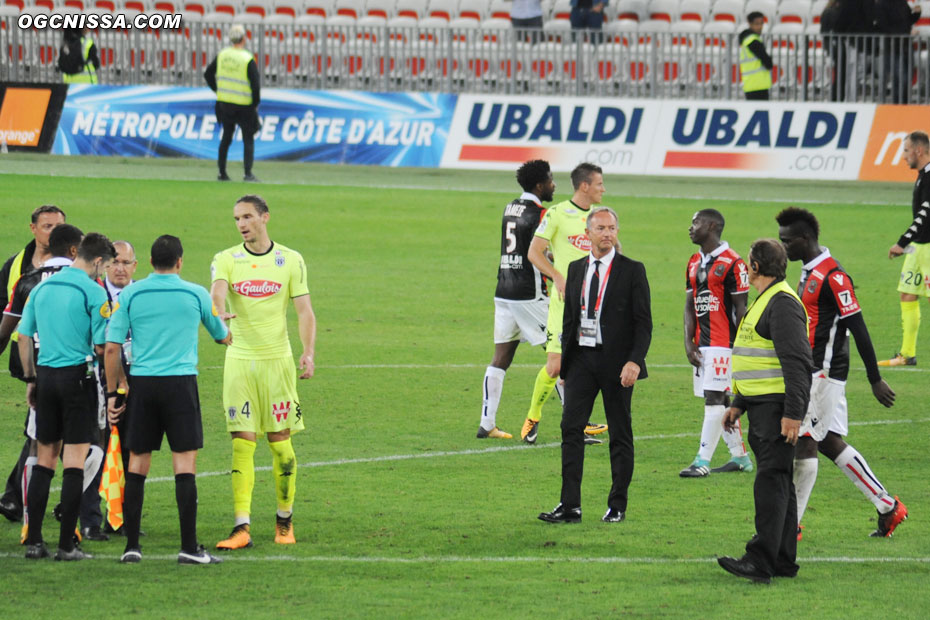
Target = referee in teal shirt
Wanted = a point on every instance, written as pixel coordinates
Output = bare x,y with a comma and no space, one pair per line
68,312
164,313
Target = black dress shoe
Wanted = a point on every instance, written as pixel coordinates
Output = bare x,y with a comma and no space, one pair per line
561,514
11,511
613,516
94,533
743,568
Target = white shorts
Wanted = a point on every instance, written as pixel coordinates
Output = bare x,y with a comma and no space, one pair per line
520,320
827,409
31,424
714,373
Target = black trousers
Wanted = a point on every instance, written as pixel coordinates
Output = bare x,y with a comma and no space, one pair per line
587,376
774,547
757,95
229,115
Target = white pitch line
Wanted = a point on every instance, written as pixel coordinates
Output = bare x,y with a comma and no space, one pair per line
453,188
492,450
475,366
458,559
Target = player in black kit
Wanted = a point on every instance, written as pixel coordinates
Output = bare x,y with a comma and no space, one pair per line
521,300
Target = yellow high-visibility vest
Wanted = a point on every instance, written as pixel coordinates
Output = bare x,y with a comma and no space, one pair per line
16,268
756,369
89,74
232,76
755,76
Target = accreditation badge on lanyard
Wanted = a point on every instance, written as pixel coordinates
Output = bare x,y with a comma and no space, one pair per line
587,333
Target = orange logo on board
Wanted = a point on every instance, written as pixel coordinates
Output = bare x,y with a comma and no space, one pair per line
884,154
22,115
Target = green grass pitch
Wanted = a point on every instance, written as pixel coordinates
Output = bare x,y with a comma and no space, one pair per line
401,512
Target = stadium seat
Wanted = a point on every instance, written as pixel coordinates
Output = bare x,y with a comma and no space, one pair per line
562,9
323,8
664,10
19,4
621,32
230,7
291,9
261,8
557,30
105,5
768,8
635,10
793,11
694,10
137,5
500,9
432,28
472,9
492,28
463,29
195,6
350,8
215,25
380,8
79,5
446,9
727,11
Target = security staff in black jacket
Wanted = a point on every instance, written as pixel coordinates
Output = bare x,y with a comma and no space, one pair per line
772,368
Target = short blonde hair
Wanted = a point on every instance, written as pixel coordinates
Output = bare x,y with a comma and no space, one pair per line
236,33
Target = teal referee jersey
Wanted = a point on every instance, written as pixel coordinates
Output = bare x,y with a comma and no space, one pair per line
69,313
163,311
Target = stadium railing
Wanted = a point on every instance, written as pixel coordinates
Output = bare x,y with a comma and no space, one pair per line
491,57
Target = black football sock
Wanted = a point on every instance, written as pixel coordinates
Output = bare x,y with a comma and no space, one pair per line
185,491
72,486
132,508
37,496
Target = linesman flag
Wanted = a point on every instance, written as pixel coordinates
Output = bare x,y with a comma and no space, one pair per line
113,481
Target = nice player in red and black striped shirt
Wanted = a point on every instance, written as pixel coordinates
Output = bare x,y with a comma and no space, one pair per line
717,283
833,311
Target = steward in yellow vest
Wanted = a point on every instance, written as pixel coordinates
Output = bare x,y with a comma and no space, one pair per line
77,59
755,65
233,76
772,366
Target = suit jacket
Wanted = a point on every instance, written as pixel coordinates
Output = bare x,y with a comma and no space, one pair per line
626,315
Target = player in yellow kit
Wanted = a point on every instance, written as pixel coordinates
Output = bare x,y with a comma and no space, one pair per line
258,278
562,231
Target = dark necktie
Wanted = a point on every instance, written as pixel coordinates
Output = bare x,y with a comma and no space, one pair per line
593,288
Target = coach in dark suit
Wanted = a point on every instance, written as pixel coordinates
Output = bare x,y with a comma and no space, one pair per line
607,327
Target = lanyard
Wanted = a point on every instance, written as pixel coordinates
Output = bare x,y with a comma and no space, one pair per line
600,293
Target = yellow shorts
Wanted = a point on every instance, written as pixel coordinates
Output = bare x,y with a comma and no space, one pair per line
260,396
915,274
554,323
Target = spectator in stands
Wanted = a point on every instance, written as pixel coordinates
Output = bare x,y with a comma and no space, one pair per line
233,76
897,17
755,65
855,18
588,15
527,14
829,20
77,57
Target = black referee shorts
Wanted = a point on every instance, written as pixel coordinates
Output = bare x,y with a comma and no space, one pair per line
164,406
66,405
